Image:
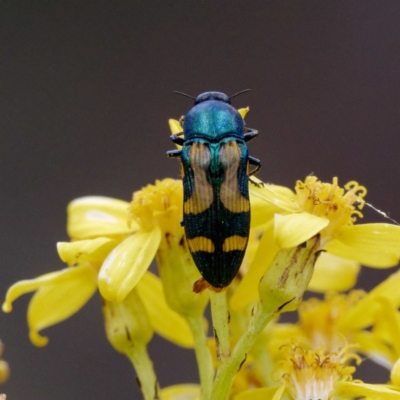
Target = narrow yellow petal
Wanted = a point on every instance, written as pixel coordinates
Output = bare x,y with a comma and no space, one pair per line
395,374
93,251
387,324
271,393
96,216
243,111
26,286
377,350
360,389
247,291
279,196
181,392
164,320
127,263
175,126
362,314
373,245
294,229
334,273
59,298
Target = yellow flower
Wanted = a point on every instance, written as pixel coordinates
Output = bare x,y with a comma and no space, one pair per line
155,210
326,322
60,294
330,211
318,375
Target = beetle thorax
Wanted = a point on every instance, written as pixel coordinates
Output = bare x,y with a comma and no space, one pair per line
213,120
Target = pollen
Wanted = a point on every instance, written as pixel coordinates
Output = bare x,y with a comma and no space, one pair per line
158,205
312,375
340,205
319,319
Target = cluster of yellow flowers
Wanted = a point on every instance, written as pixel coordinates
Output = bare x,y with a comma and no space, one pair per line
302,239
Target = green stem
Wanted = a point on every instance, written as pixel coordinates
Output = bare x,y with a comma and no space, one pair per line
203,355
220,319
265,364
144,368
228,370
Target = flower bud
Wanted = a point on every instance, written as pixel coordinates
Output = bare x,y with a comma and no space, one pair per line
178,274
287,278
127,324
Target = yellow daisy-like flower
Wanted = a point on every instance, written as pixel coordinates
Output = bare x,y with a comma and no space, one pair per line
318,375
330,211
326,322
98,225
157,211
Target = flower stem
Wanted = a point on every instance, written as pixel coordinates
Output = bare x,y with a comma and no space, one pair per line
144,368
220,319
203,356
228,370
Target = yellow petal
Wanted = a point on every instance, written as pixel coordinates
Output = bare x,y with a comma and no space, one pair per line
243,111
294,229
261,212
164,320
127,263
359,389
26,286
395,374
96,216
181,392
387,324
59,298
271,393
175,126
373,245
334,273
363,313
279,196
247,291
378,351
93,251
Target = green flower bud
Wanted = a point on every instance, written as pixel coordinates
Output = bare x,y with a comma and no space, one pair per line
127,324
284,283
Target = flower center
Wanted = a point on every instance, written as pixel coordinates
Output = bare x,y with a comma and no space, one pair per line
340,205
319,318
159,205
312,375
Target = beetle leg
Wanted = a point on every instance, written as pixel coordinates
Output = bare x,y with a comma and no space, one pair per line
258,184
182,223
250,134
174,153
177,139
256,162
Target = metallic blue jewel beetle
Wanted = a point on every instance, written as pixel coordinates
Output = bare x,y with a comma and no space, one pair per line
215,168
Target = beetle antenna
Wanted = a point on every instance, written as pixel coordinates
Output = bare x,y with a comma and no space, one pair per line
237,94
184,94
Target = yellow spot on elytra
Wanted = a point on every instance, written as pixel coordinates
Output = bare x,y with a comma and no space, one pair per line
234,242
203,195
231,198
201,243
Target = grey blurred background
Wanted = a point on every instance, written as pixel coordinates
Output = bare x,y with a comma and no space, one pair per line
86,92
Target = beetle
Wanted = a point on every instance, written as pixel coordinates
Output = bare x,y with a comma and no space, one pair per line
216,171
